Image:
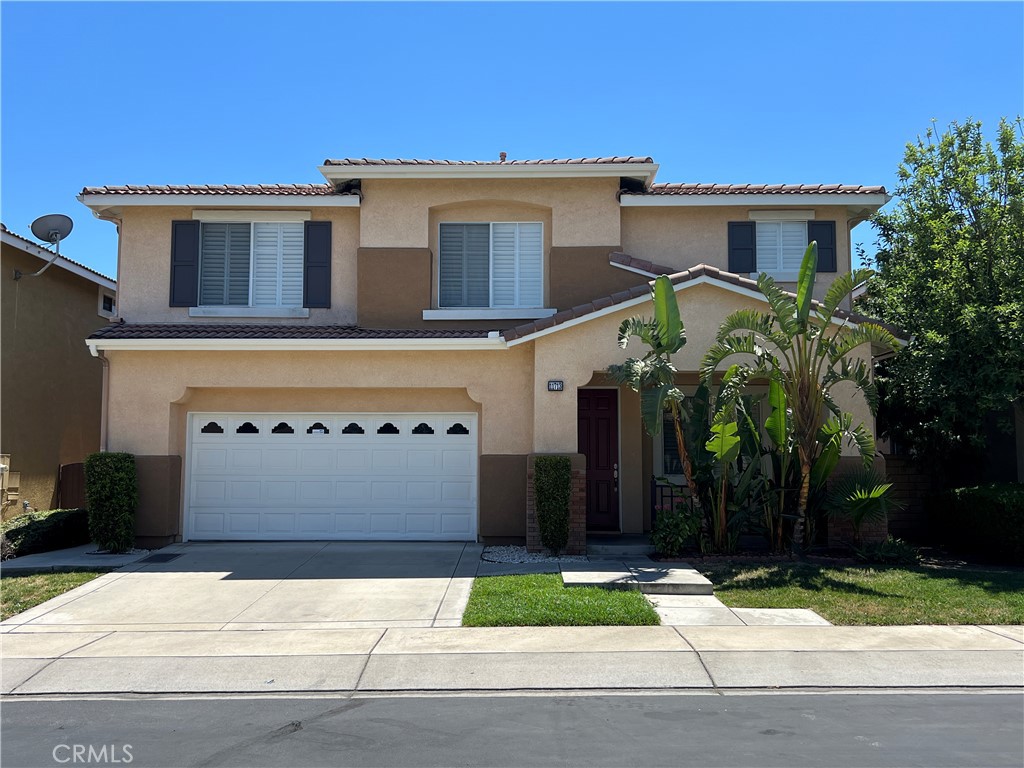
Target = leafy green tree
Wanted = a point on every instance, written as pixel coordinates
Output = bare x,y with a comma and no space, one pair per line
653,375
798,345
951,272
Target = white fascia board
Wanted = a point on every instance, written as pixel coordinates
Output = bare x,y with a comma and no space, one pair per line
295,345
809,198
679,287
75,269
103,202
335,173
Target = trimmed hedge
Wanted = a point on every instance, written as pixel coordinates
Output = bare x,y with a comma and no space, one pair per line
112,493
987,520
44,532
552,491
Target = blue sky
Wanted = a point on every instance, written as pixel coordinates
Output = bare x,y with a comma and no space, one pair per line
159,93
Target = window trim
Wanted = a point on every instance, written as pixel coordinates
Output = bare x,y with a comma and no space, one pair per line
101,294
490,311
249,309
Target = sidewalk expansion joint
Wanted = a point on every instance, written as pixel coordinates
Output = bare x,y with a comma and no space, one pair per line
714,685
366,663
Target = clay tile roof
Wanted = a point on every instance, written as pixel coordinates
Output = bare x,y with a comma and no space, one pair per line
369,161
758,189
214,190
267,331
625,260
701,270
4,228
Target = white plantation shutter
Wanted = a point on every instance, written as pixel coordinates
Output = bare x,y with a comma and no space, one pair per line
768,237
531,265
503,265
224,265
277,264
780,245
794,243
464,265
491,265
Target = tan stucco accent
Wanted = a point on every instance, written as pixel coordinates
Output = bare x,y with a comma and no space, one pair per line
502,497
683,237
145,266
579,275
395,213
394,287
49,383
158,514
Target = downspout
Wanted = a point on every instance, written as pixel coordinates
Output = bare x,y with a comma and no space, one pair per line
104,361
104,398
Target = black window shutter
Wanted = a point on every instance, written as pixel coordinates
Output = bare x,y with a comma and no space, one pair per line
316,283
184,263
742,247
825,233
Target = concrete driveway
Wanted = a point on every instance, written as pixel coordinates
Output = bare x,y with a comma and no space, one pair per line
272,585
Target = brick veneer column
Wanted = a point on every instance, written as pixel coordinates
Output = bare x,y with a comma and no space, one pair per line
577,544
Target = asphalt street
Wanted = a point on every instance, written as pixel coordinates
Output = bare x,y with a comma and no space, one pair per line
838,730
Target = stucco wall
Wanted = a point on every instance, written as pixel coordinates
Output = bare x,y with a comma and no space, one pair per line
50,399
396,213
148,390
685,236
145,266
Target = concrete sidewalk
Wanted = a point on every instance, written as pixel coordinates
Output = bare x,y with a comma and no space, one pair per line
460,659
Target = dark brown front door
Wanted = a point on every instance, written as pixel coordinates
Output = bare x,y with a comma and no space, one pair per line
598,435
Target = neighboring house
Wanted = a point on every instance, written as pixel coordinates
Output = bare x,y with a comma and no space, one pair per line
379,356
50,386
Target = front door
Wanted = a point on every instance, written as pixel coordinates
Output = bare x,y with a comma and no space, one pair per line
598,437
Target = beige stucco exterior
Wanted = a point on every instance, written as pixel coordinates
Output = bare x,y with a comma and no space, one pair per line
384,275
145,276
50,393
683,236
396,213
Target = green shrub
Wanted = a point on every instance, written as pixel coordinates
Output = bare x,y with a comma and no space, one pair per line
111,491
987,520
675,528
552,490
44,532
892,551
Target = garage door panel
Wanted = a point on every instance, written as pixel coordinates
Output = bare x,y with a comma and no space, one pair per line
318,460
332,476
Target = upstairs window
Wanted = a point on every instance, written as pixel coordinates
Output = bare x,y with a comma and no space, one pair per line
251,264
498,264
780,245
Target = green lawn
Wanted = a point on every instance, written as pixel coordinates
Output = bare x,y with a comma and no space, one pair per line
876,595
19,593
540,600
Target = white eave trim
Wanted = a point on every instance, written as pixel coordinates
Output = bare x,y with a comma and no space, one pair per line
492,342
702,280
645,171
634,270
794,198
75,269
103,202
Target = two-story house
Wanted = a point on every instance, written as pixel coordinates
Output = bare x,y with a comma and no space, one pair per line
377,357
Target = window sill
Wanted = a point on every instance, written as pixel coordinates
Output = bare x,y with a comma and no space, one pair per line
487,313
248,312
777,276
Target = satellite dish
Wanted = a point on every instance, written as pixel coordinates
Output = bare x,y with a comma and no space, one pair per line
52,228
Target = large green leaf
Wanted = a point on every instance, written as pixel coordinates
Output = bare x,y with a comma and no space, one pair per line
805,283
777,423
724,442
666,315
652,408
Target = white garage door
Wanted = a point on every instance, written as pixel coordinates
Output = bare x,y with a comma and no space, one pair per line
332,476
